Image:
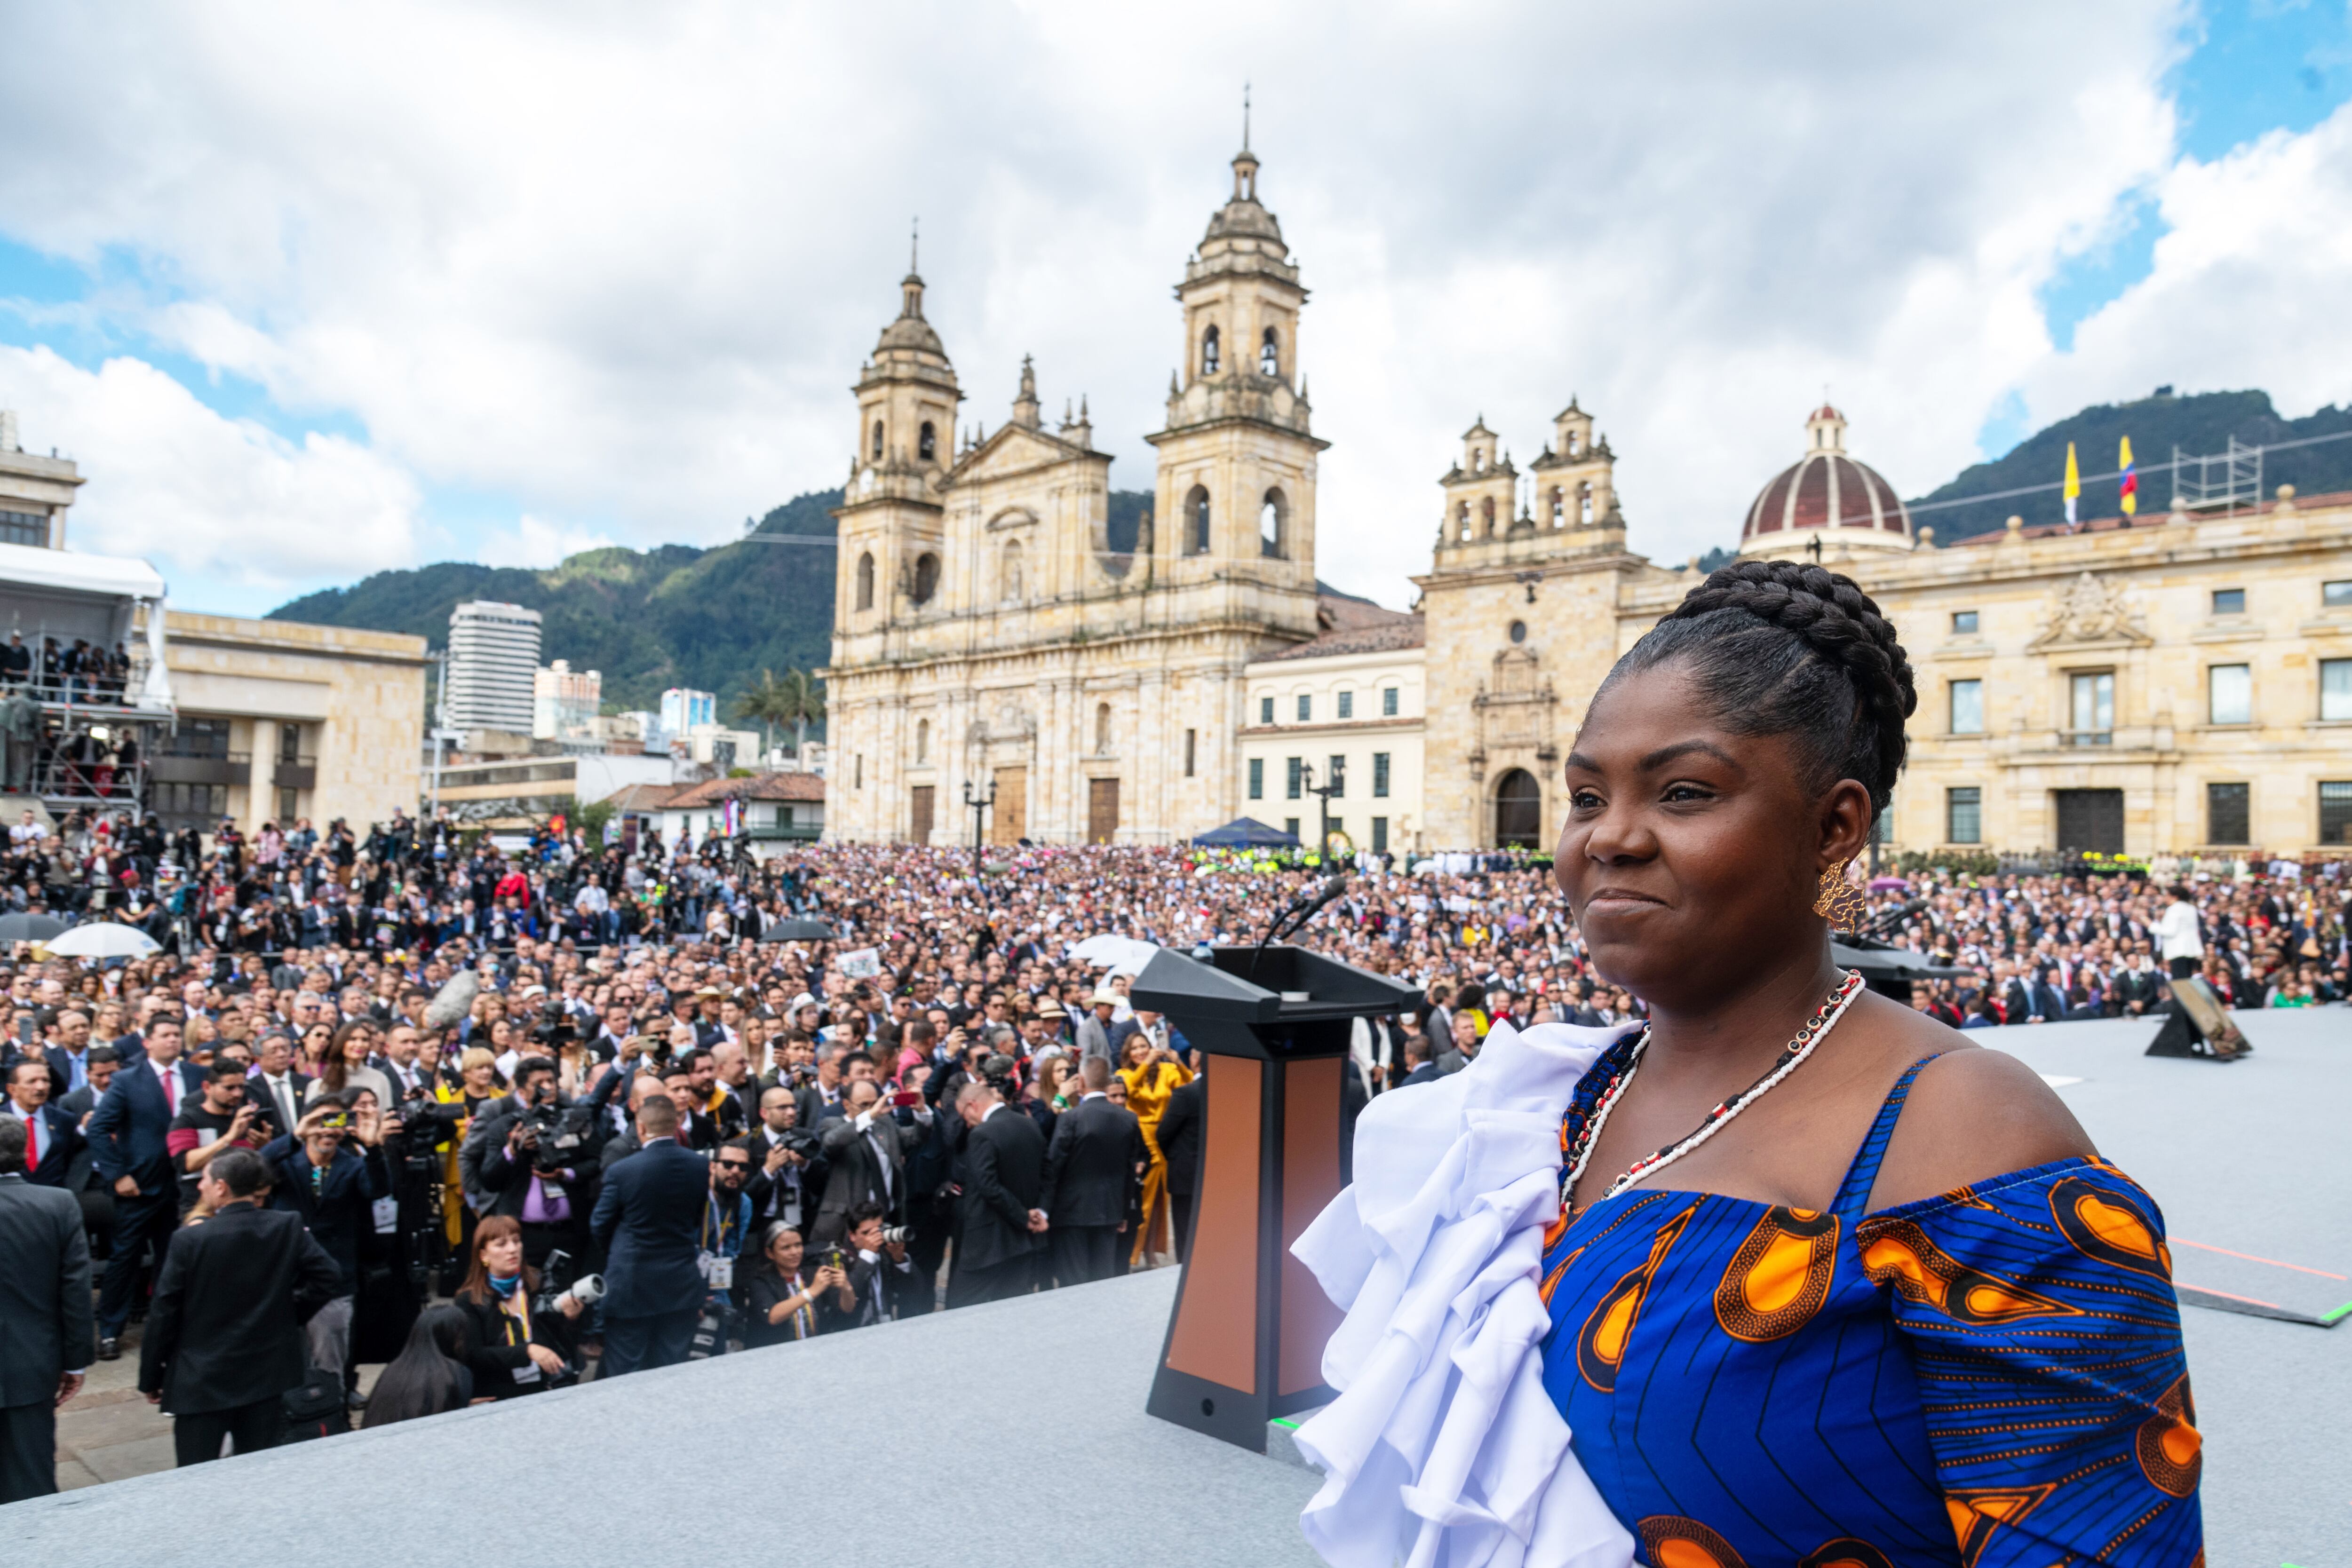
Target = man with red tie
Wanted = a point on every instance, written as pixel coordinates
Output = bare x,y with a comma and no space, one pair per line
51,1139
130,1148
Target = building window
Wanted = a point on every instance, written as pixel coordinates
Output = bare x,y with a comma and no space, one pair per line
2228,817
927,578
1584,503
922,740
1257,778
1273,526
1010,574
2336,813
2093,707
24,528
1557,508
1964,622
866,581
1189,737
1519,631
1305,707
1968,707
1379,835
286,807
927,444
1102,729
1294,784
2336,595
858,771
1346,704
1964,816
1388,702
2229,601
1209,354
1265,710
2230,695
1196,516
2336,688
877,441
1269,355
1336,776
1290,826
1380,775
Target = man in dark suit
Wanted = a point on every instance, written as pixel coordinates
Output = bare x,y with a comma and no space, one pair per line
53,1140
647,1221
1419,1067
1097,1152
224,1340
317,1175
127,1137
67,1047
865,1161
1180,1144
998,1223
45,1322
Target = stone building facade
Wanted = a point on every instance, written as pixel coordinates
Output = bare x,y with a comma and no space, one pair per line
987,637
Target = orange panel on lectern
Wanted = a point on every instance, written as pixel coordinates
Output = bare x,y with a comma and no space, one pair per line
1215,1335
1310,1180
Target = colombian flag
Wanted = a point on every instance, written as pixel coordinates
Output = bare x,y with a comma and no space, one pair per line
2074,484
2131,480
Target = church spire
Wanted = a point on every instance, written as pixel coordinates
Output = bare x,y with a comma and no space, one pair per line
1025,408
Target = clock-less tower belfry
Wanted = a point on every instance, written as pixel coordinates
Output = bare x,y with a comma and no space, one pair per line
986,632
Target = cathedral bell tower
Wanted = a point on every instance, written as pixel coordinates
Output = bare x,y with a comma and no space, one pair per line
1235,501
891,517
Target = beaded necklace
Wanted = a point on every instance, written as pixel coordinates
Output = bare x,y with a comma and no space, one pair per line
1581,1152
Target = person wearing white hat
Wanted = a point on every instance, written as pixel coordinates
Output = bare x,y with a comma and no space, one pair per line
1094,1029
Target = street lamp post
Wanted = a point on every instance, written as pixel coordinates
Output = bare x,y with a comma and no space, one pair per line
1322,793
978,805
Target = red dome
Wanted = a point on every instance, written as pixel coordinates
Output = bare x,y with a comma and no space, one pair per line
1828,489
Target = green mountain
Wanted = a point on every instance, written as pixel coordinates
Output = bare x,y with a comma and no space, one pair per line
671,616
2198,424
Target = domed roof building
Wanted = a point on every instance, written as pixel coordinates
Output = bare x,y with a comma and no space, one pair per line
1826,495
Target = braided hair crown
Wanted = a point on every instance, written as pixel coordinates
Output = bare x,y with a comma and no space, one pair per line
1783,647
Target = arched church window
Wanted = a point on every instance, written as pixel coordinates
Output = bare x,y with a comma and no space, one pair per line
1269,354
1462,519
1571,443
1584,503
1196,520
866,581
877,441
1102,729
1486,515
1273,524
922,740
927,446
927,578
1559,506
1011,579
1209,353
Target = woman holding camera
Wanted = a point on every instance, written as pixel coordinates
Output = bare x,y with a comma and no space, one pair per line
511,1348
785,1299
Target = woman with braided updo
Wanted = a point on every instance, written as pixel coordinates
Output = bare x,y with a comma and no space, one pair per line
1826,1283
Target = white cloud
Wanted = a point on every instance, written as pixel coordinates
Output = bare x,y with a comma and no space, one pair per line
223,498
535,541
620,263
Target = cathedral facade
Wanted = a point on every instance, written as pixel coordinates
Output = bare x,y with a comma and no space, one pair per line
989,643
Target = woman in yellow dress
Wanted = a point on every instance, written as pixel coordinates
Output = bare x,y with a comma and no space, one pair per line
1151,1076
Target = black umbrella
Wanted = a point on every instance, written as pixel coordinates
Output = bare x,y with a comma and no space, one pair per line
30,927
789,931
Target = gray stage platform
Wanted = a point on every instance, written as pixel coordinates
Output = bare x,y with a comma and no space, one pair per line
1014,1434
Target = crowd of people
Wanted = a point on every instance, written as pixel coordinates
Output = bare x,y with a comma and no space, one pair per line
499,1118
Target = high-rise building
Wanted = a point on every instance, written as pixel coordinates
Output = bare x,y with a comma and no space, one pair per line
564,702
34,491
683,709
493,666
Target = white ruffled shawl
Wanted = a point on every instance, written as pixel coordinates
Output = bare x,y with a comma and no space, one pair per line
1442,1449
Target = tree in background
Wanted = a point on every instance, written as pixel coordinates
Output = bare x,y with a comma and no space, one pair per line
797,699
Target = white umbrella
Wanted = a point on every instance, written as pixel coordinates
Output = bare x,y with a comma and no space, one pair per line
1118,953
103,939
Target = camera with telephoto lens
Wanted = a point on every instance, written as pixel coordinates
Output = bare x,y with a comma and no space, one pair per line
556,1285
897,1235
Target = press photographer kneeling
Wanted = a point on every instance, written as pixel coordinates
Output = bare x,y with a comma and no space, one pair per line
514,1345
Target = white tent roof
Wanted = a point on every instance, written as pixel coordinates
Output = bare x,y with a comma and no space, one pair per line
126,576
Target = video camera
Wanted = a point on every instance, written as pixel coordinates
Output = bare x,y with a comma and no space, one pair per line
563,1132
554,1027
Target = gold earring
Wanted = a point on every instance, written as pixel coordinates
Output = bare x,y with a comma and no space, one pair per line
1838,901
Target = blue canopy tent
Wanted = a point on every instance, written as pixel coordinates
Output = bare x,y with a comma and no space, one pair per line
1246,833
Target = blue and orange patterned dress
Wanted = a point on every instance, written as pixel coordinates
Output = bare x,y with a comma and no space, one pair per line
1992,1378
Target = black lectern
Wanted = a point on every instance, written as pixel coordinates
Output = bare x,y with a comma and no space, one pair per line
1245,1342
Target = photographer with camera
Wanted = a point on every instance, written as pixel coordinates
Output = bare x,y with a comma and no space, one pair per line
786,1172
865,1153
513,1344
878,1273
217,1118
317,1176
783,1297
528,1157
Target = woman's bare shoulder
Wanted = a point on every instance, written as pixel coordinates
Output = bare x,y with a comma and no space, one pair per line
1973,1113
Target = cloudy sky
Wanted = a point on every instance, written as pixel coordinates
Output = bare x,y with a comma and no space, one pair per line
311,291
